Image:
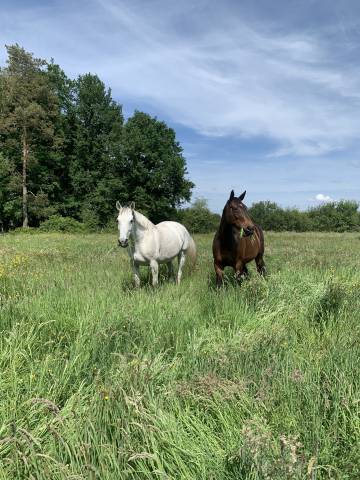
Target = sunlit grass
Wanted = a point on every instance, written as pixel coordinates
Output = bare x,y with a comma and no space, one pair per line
258,381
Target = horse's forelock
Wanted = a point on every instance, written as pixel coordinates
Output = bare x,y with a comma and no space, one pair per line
124,210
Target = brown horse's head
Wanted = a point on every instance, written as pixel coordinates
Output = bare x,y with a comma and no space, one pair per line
235,213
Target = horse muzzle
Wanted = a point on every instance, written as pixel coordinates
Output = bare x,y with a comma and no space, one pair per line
248,231
123,243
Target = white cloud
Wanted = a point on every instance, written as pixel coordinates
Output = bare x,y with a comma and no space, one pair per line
320,197
238,80
228,77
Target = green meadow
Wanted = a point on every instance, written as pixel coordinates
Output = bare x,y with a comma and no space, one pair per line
102,381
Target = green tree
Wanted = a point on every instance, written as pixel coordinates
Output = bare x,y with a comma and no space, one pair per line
154,167
332,217
57,165
10,184
336,216
96,168
28,111
198,218
269,215
66,151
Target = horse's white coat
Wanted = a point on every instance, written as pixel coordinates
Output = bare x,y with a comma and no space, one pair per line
153,244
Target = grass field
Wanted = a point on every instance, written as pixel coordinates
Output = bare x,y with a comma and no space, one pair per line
99,381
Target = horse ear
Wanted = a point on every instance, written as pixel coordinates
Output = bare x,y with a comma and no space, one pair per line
118,206
242,196
132,205
232,195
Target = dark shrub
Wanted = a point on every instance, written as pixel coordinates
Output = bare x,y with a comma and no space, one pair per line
56,223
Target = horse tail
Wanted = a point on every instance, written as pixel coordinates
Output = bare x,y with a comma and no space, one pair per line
191,251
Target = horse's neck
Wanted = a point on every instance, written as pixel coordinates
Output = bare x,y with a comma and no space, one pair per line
142,226
225,228
228,232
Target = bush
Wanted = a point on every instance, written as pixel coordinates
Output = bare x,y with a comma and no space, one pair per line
336,217
332,217
90,219
268,214
198,218
56,223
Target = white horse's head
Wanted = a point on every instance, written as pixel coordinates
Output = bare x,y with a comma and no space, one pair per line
125,219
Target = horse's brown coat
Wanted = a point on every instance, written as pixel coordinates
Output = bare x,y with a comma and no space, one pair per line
233,249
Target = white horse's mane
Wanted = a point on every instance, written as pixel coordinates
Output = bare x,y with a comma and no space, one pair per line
139,218
142,220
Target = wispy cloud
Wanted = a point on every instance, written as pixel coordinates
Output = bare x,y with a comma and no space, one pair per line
229,77
273,91
237,79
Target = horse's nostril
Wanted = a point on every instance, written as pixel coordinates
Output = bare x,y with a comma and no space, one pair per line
123,243
249,230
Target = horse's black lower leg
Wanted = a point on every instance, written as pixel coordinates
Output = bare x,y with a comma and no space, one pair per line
219,271
245,273
241,274
260,264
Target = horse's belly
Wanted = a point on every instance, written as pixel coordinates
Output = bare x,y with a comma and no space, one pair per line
168,251
171,240
230,258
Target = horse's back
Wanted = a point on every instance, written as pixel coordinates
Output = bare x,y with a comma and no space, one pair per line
173,238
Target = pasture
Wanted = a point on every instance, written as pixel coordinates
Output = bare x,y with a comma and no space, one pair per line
101,381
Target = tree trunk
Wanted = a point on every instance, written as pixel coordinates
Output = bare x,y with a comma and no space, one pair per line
25,158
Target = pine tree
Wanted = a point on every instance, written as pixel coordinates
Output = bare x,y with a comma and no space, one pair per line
28,111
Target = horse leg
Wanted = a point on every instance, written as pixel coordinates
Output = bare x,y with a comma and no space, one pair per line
181,258
170,270
260,264
219,271
136,274
245,273
155,272
241,271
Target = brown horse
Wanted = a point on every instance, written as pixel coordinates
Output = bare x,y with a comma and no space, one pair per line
237,241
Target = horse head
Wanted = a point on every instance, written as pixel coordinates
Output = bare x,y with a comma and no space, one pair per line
125,222
235,213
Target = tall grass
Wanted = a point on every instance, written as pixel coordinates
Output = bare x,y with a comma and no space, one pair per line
101,381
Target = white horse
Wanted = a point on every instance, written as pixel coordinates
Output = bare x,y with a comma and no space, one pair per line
153,244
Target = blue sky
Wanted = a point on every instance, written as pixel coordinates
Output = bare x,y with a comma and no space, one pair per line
264,96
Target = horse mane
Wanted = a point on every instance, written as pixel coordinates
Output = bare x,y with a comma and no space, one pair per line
223,223
142,220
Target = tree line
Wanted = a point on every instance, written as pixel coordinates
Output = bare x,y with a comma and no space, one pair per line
67,155
66,150
339,216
